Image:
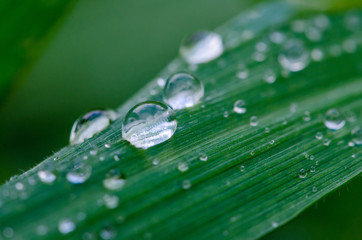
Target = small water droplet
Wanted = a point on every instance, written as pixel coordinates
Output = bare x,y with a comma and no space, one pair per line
267,130
321,21
303,173
114,180
252,153
156,161
79,173
319,136
182,167
316,163
357,136
46,176
107,145
294,57
311,157
186,184
270,76
108,232
317,55
148,124
66,226
313,34
93,152
239,107
110,201
90,124
271,142
334,120
242,168
161,82
312,169
183,90
277,37
261,46
335,50
203,157
349,45
275,224
242,74
201,47
116,157
41,230
353,155
306,117
314,189
19,186
254,121
226,114
326,142
8,232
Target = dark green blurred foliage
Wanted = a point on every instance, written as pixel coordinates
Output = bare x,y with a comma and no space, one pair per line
101,55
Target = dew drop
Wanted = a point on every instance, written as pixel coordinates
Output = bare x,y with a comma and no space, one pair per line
203,157
41,230
91,123
19,186
317,55
66,226
275,224
201,47
183,90
254,121
334,120
294,57
226,114
46,176
269,76
79,173
314,189
156,161
242,74
182,167
357,136
114,180
326,142
349,45
303,173
148,124
239,107
8,232
186,184
242,168
271,142
107,233
110,201
312,169
319,136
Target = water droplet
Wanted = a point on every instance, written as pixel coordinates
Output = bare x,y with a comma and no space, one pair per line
46,176
271,142
314,189
201,47
239,107
186,184
156,161
19,186
306,117
334,120
41,230
226,114
326,142
270,76
267,130
254,121
242,168
108,232
148,124
8,232
311,157
275,224
313,34
319,135
93,152
116,158
66,226
316,54
294,57
303,173
353,155
349,45
90,124
107,145
182,167
277,37
335,50
114,180
111,201
79,173
357,136
252,153
242,74
203,157
321,21
183,90
161,82
312,169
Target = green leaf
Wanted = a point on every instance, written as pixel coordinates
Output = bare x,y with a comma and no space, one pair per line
25,28
255,179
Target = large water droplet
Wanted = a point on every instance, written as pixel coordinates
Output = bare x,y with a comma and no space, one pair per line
294,57
89,124
183,90
79,173
201,47
114,180
46,176
148,124
334,120
66,226
111,201
239,107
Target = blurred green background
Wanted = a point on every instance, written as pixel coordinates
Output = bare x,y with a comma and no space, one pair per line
100,55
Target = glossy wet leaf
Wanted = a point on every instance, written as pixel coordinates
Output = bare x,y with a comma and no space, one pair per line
257,170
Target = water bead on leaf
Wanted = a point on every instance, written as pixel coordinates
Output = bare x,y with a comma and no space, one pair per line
148,124
183,90
201,47
90,124
294,57
334,120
